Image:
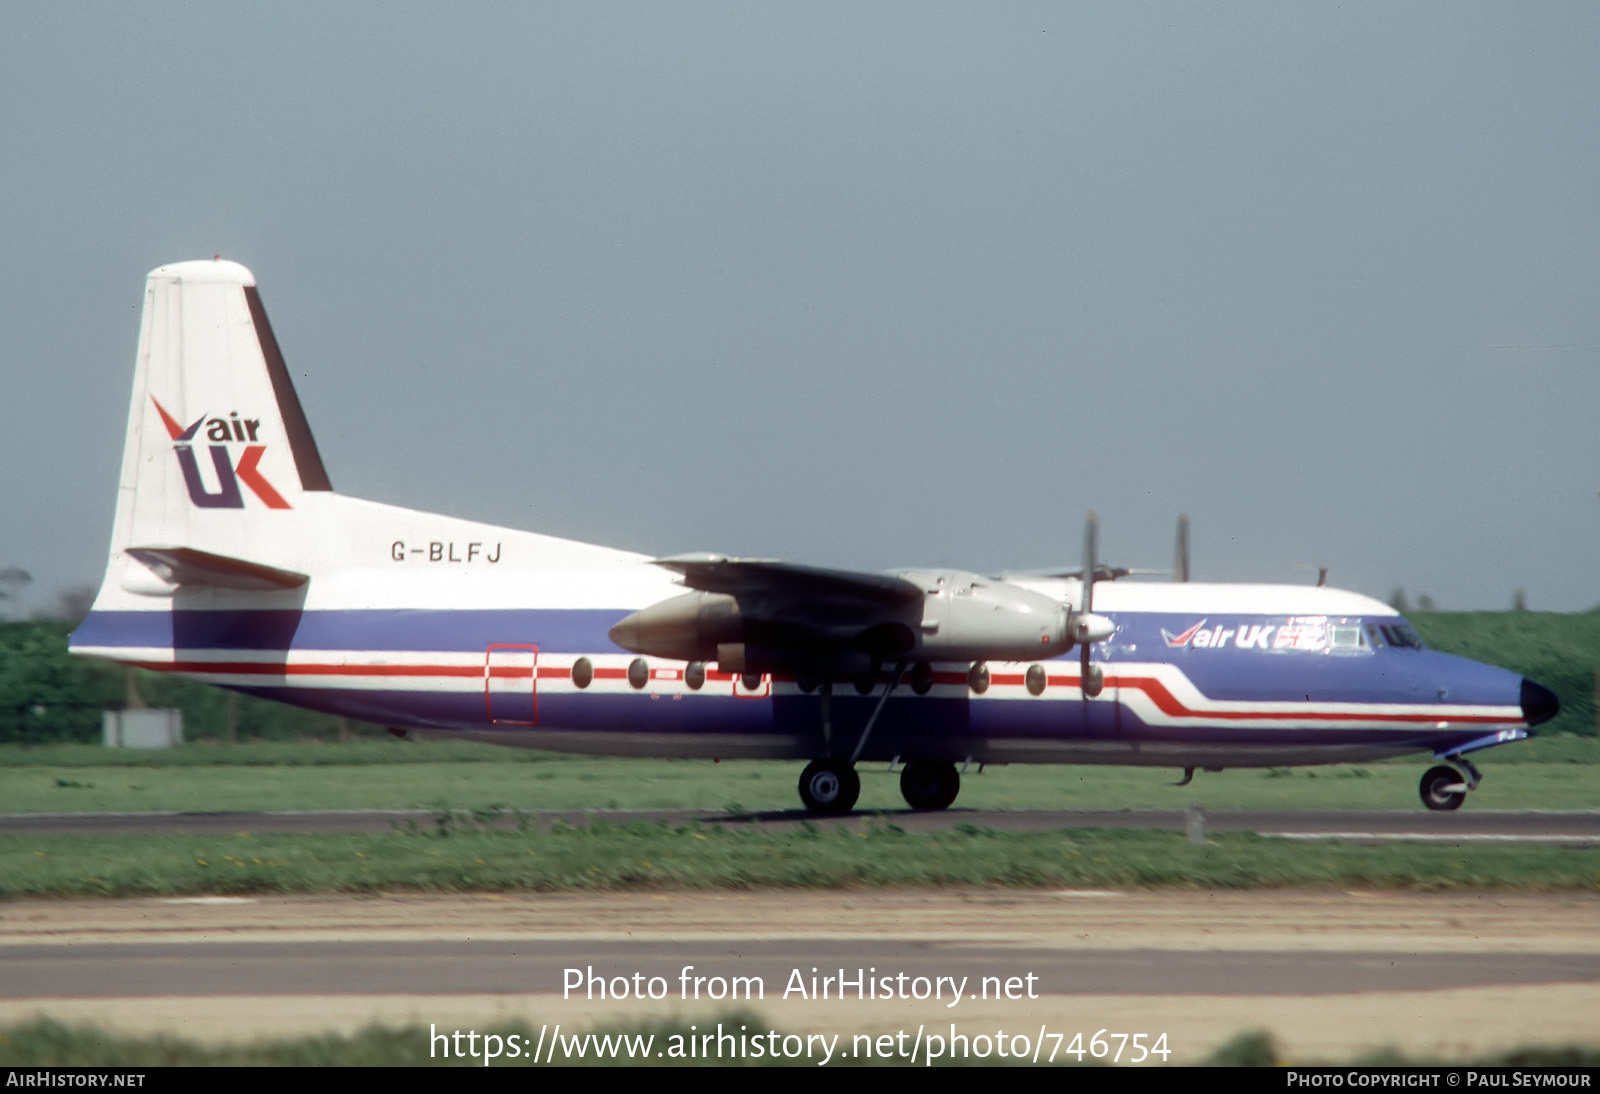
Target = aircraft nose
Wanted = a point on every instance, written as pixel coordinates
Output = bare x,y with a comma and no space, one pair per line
1539,703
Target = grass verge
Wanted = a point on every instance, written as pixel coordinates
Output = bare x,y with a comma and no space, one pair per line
458,854
1555,774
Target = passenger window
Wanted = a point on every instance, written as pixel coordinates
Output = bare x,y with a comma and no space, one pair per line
1344,638
1036,679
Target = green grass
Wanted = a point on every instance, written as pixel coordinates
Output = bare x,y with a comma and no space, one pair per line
1558,773
310,752
458,855
47,1043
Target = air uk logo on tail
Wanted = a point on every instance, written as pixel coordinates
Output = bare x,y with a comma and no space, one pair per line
221,431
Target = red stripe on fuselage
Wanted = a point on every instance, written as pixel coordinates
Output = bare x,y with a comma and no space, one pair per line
1158,693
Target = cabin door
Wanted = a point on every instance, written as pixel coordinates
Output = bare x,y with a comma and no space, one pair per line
511,685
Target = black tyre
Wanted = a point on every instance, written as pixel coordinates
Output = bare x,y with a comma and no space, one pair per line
1441,789
929,785
829,788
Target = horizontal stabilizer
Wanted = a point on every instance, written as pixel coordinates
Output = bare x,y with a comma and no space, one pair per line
188,566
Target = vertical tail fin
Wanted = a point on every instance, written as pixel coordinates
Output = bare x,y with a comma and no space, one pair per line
219,456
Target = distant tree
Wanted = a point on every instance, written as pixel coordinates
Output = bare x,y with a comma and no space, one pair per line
1424,603
1398,601
74,603
12,579
1519,600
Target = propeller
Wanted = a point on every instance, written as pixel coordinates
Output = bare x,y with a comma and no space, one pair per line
1090,628
1087,628
1103,572
1180,553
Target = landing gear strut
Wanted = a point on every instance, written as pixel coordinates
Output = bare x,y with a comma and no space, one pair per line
830,786
929,785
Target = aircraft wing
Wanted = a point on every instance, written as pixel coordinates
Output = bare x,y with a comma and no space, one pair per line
754,577
761,615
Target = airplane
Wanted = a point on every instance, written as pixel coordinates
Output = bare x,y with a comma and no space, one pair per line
233,561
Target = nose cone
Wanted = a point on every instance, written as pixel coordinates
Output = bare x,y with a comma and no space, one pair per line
1539,703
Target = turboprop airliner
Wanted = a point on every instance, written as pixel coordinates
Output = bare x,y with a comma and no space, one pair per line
233,561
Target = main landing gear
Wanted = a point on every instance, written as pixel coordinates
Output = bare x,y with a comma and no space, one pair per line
830,786
929,785
1445,788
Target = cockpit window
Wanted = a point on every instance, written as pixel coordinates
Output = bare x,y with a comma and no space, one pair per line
1401,634
1344,638
1372,634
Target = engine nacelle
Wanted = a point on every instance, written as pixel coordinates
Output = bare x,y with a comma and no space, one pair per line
685,628
968,617
961,617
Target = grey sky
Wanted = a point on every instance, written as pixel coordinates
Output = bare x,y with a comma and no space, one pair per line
860,285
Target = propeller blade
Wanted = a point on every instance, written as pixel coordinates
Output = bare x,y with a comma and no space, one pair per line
1091,533
1089,676
1180,562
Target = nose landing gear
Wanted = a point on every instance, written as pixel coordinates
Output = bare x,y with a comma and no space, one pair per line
1445,788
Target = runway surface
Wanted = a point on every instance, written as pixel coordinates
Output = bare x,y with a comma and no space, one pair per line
1330,973
1568,828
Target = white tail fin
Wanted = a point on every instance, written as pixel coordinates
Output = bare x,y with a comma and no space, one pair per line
223,491
219,455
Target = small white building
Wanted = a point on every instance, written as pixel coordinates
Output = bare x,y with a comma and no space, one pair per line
158,728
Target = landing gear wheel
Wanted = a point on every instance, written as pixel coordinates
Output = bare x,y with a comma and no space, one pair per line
829,787
929,785
1443,789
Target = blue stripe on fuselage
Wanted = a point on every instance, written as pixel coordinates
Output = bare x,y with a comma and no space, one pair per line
1229,671
1226,672
388,630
